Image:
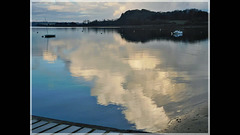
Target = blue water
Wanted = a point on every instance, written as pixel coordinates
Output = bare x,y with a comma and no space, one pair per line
95,76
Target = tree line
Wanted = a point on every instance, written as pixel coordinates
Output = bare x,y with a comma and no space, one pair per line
147,17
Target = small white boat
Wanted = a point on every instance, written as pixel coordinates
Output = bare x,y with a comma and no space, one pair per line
177,33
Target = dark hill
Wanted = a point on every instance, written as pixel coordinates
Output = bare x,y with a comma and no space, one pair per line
146,17
135,16
188,17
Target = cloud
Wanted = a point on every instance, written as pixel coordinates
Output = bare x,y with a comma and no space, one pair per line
79,11
118,12
68,11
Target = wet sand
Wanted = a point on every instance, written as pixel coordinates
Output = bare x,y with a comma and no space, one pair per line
194,121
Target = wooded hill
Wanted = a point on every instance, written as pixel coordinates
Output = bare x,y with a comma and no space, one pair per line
146,17
143,17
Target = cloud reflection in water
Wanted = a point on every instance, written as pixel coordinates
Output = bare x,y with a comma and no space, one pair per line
48,56
143,79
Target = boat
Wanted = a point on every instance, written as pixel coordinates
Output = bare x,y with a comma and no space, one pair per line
177,33
48,35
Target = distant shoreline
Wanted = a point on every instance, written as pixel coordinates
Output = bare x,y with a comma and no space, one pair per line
163,26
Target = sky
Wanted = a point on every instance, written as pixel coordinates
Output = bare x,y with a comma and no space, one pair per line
79,11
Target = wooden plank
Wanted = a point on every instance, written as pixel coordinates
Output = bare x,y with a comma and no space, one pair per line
99,131
42,128
38,124
45,126
84,130
112,133
55,129
70,129
109,129
32,121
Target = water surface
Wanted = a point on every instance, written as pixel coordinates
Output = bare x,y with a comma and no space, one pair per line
121,78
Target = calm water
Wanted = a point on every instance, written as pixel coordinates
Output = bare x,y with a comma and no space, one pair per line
121,78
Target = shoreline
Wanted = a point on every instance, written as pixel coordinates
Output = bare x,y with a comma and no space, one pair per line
163,26
191,121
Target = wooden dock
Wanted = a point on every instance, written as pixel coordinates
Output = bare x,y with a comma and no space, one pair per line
48,126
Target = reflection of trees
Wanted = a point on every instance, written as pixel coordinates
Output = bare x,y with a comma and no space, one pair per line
102,30
144,35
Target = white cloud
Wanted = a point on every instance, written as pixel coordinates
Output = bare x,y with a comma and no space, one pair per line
104,10
121,10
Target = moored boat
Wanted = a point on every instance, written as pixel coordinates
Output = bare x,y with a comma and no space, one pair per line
177,33
49,35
